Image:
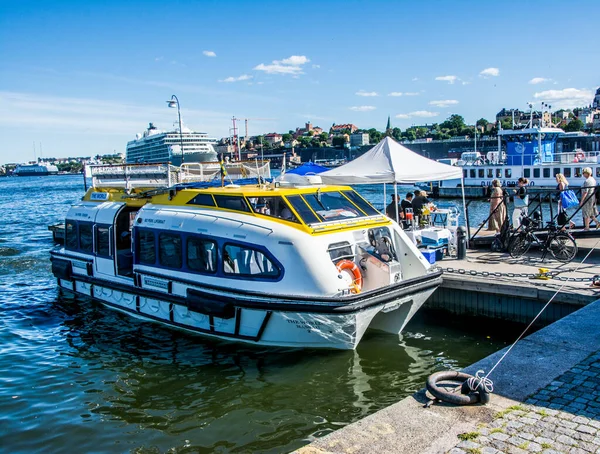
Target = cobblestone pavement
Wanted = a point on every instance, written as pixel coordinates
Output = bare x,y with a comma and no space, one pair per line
564,417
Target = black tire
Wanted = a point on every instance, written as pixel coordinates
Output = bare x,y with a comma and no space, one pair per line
563,247
434,387
519,245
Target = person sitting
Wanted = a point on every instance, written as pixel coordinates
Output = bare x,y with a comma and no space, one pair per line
419,202
405,204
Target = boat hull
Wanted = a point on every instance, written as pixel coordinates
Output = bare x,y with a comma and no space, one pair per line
270,321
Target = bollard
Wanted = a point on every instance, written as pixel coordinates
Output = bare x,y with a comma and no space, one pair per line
461,243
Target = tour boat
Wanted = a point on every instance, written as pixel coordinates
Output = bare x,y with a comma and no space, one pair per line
276,264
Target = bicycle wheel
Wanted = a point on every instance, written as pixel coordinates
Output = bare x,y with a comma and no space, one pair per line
563,247
519,245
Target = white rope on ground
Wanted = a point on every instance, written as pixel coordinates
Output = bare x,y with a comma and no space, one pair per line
541,311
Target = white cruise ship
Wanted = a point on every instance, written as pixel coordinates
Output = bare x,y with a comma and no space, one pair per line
155,146
35,170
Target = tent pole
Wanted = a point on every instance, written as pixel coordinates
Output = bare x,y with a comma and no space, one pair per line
462,188
396,201
384,195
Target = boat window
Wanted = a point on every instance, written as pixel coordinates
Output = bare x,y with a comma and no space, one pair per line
472,173
464,173
490,173
527,172
332,206
556,171
597,172
146,247
236,203
567,172
245,261
546,172
86,242
272,206
71,235
169,250
536,173
578,173
203,199
338,251
480,173
498,173
201,255
103,241
361,203
302,209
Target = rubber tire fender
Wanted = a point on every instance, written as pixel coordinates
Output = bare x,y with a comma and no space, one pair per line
452,397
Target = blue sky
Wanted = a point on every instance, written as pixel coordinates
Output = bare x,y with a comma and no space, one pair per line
82,78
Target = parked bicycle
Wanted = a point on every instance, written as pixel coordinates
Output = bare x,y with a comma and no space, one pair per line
559,243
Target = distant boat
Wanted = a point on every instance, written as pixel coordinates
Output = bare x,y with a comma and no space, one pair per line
35,170
156,146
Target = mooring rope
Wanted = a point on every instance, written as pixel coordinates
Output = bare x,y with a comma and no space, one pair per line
540,312
478,380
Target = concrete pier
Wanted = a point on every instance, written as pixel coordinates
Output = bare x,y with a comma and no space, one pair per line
546,399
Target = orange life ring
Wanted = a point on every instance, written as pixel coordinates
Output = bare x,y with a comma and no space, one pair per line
349,265
580,156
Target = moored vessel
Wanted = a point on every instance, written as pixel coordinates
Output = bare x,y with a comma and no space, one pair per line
280,264
35,170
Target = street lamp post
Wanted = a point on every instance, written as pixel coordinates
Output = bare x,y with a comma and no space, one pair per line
174,102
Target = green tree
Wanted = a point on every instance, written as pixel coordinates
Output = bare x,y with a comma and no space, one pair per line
286,137
574,125
324,136
454,122
507,123
258,140
338,141
304,141
411,134
396,133
482,123
374,135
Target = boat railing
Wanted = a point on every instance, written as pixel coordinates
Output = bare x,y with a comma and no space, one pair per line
131,176
208,171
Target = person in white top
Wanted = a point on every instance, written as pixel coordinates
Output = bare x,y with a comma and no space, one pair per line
589,210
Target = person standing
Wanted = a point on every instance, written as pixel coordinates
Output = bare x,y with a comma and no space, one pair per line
392,210
521,202
497,207
588,199
405,204
563,185
419,202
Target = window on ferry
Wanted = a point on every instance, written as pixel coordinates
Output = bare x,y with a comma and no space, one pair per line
272,206
597,172
567,172
146,247
86,242
203,199
338,251
103,241
498,173
246,261
536,173
490,173
71,235
303,210
545,172
556,171
332,206
169,250
481,173
201,255
229,202
578,172
472,173
361,203
527,173
507,173
464,173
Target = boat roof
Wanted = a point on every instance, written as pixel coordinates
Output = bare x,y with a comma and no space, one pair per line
515,132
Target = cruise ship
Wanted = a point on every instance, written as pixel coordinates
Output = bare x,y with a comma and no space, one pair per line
154,146
35,170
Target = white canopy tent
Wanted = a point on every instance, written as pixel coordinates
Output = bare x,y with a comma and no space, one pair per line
390,162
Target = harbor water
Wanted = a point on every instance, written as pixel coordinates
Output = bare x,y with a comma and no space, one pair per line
77,376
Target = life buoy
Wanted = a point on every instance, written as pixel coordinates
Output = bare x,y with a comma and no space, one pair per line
580,156
350,266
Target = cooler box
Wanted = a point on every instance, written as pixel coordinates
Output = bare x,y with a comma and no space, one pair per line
435,237
429,255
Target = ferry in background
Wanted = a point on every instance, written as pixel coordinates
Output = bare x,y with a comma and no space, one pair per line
531,153
156,146
35,170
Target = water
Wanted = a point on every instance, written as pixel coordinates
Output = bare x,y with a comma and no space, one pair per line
75,374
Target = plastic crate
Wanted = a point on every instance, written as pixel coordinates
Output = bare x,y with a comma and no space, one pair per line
429,255
432,242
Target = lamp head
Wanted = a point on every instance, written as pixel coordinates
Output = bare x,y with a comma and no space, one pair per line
172,103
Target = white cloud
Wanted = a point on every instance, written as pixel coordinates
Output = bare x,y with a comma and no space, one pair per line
464,82
366,93
443,103
316,66
209,53
418,113
568,98
414,79
412,93
395,93
237,79
291,65
362,108
449,79
490,72
538,80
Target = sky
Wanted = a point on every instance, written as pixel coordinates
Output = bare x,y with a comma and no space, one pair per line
80,78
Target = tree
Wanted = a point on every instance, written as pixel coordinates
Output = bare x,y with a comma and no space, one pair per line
338,141
258,140
396,133
482,123
374,135
411,134
324,136
454,122
304,141
507,123
574,125
286,138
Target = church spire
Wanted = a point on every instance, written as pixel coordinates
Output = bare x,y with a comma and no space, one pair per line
388,128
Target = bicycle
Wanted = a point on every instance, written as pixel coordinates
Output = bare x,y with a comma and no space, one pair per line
559,243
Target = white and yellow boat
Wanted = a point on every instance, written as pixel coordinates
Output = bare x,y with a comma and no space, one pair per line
272,264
